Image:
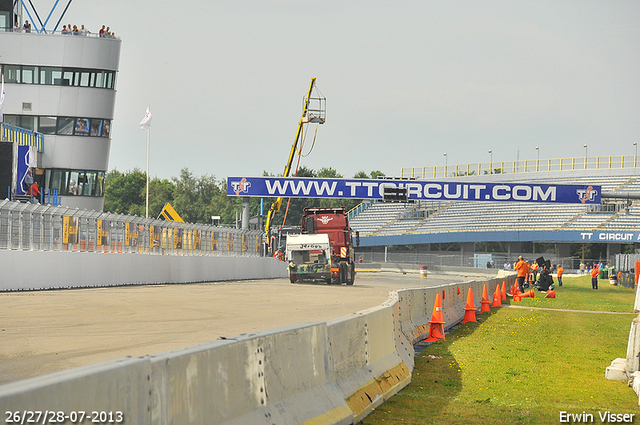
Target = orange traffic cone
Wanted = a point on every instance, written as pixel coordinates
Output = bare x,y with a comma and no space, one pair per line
550,294
503,294
529,294
470,308
458,290
485,300
517,298
512,291
497,297
437,323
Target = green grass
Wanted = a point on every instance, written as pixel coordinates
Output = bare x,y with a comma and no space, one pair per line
576,294
523,366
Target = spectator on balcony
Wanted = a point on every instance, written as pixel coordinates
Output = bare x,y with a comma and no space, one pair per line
65,30
101,33
27,26
16,27
84,31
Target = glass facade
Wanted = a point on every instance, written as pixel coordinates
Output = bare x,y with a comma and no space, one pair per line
74,182
58,76
65,126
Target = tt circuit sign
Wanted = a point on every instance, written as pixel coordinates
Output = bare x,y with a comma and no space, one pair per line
415,190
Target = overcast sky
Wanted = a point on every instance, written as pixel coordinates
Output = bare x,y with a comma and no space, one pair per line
405,81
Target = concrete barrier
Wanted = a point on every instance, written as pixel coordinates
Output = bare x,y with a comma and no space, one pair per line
320,372
412,268
33,270
365,365
277,376
118,387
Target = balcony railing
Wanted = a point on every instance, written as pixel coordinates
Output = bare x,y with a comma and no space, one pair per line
524,166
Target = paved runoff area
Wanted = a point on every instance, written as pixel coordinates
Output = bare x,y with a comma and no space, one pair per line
48,331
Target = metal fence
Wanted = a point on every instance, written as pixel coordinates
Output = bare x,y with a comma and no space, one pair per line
477,260
25,226
523,166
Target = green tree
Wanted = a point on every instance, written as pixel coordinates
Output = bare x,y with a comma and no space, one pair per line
125,191
198,198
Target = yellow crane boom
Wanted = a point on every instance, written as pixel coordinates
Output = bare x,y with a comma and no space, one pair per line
275,207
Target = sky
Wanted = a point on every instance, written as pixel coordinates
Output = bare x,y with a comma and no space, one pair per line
404,81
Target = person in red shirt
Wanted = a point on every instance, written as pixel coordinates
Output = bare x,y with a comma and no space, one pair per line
523,270
595,271
34,190
560,271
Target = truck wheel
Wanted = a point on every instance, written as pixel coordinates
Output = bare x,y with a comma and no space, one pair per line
342,274
292,279
352,276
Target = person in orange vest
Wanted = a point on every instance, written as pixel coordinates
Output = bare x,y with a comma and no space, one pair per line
560,271
523,270
595,271
534,270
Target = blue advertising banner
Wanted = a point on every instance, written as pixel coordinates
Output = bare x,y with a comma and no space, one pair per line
26,160
600,236
416,190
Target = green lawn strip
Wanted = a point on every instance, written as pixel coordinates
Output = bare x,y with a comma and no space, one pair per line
576,294
521,366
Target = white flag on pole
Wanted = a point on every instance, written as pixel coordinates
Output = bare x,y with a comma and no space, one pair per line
2,99
146,121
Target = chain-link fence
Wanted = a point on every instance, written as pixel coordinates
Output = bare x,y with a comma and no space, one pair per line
570,264
25,226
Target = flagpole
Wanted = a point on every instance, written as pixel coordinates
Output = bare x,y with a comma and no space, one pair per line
147,208
145,124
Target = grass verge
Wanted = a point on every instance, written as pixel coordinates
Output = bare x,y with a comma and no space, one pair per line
523,366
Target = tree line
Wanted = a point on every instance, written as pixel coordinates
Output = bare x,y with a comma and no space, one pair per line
198,198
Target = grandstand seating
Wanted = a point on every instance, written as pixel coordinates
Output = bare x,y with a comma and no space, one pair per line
441,217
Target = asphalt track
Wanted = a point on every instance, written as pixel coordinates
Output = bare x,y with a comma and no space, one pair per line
48,331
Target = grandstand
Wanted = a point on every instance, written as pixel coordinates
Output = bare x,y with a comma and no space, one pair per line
615,222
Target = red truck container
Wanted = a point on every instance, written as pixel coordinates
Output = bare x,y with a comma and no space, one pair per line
335,223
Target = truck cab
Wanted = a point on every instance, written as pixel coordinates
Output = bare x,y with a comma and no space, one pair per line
333,222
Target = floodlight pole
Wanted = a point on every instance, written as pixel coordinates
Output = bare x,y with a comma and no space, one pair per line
445,164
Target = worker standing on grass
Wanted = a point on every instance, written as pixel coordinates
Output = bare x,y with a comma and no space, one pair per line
534,270
560,271
523,270
595,271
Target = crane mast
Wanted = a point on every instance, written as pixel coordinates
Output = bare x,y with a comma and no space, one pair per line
308,115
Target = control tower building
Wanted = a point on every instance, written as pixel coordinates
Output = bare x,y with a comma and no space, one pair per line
64,87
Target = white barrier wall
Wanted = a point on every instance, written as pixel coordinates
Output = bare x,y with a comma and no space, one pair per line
321,373
27,270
